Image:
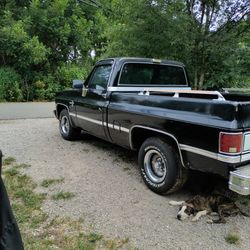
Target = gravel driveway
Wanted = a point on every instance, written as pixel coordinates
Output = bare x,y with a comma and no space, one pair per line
110,195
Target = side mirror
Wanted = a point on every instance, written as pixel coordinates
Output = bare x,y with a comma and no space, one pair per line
84,91
77,84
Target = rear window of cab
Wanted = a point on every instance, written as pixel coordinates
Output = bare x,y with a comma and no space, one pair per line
152,75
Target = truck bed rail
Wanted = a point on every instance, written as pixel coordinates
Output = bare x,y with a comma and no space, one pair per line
185,93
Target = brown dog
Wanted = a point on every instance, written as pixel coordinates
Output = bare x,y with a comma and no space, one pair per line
199,206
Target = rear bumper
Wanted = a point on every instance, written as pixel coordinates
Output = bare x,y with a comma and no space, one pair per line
239,180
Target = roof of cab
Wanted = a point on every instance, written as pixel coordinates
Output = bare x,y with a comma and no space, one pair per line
139,60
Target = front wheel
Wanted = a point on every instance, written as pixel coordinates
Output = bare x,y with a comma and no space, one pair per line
160,166
67,131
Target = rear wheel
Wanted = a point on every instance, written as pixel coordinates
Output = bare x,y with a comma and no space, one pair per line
160,166
67,131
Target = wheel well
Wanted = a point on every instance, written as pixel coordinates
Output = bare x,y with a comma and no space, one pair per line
139,135
59,109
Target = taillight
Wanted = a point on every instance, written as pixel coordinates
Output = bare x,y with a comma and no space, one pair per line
231,143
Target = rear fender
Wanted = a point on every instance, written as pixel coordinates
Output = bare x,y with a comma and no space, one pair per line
138,134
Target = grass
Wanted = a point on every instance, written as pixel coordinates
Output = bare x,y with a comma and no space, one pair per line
9,160
232,237
126,169
62,196
48,182
38,230
93,237
23,165
116,244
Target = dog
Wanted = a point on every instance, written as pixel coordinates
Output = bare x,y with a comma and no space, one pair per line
212,205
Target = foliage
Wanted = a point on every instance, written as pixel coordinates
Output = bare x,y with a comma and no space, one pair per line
206,35
10,85
66,73
49,43
44,87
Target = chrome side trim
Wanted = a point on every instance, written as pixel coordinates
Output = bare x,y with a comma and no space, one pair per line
229,159
198,151
112,126
212,155
126,130
116,127
139,89
72,114
158,131
88,119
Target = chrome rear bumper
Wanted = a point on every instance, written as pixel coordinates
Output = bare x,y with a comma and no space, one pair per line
239,180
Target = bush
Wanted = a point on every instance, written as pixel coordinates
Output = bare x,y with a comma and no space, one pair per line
10,85
45,88
67,73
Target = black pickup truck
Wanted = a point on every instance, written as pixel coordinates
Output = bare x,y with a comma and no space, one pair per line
147,105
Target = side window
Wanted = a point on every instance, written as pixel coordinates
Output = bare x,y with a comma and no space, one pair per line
100,77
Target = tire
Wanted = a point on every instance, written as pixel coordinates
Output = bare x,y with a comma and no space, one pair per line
160,166
67,131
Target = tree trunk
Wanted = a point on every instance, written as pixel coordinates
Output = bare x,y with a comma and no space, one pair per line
201,79
195,79
27,88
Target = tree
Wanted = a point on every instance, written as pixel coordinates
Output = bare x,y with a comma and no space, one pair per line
42,40
201,33
18,49
216,28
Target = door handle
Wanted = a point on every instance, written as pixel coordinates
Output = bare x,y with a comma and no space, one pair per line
71,103
100,109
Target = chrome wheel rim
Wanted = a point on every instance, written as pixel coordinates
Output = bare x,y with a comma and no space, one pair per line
155,166
65,125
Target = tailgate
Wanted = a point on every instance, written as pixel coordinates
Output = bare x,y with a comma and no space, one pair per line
244,115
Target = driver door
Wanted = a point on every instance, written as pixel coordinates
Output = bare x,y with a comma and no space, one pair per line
91,108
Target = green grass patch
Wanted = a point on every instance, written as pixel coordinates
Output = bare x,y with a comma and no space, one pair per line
48,182
9,160
93,237
62,196
41,232
232,237
23,165
11,172
114,244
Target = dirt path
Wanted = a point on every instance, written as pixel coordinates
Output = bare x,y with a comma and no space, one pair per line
110,195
